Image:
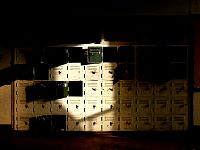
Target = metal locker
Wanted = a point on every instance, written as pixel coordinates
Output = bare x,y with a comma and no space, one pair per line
144,122
128,122
94,54
126,88
93,88
179,87
74,72
162,122
58,73
128,106
75,123
110,107
162,105
42,108
163,89
22,123
93,106
179,122
93,123
93,72
59,106
144,105
108,70
75,106
109,89
111,123
25,109
180,105
144,89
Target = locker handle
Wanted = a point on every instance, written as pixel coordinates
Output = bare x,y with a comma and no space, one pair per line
111,123
94,123
77,123
76,106
111,106
59,72
60,106
26,106
111,89
129,88
128,123
128,105
110,72
93,72
43,106
164,123
94,89
94,106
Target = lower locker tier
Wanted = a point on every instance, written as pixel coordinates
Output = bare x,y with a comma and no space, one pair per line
49,123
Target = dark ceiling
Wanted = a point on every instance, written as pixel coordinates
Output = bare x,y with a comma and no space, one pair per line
42,24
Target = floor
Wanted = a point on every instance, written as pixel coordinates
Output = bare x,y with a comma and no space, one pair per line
99,141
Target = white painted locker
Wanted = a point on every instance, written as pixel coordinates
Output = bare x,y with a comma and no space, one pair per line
59,106
93,106
144,105
126,88
108,71
179,87
109,89
180,105
93,88
110,107
162,122
75,72
163,89
25,110
93,123
20,88
144,89
76,106
179,122
42,108
128,122
162,105
22,123
128,106
144,122
75,123
93,72
111,123
58,73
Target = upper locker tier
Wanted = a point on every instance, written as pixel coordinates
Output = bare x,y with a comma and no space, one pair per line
51,56
162,63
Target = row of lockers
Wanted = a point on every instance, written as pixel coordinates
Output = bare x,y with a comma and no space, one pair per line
101,71
99,53
90,107
102,123
33,90
114,71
